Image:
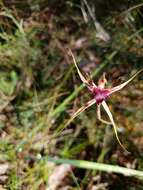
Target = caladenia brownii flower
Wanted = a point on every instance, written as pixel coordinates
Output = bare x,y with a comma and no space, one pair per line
100,95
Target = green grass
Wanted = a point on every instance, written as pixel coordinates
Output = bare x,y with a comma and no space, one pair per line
98,166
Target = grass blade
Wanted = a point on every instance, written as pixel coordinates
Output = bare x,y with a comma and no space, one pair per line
97,166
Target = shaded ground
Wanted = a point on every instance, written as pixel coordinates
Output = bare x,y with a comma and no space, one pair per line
39,93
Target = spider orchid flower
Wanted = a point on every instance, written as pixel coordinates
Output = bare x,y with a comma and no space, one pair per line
100,95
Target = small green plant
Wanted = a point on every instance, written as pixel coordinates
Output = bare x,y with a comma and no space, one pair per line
100,94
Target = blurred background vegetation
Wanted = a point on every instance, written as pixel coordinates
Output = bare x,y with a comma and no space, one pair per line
40,90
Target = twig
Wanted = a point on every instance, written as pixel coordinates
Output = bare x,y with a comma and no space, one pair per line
101,32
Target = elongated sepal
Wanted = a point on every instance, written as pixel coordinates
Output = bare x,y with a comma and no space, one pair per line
119,87
80,110
106,108
99,115
83,79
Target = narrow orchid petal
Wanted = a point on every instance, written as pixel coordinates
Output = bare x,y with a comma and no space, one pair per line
80,110
119,87
106,108
83,79
99,115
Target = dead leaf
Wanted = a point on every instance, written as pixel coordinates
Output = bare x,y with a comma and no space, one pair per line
4,168
56,178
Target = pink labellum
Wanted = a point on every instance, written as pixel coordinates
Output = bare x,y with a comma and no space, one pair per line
100,94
